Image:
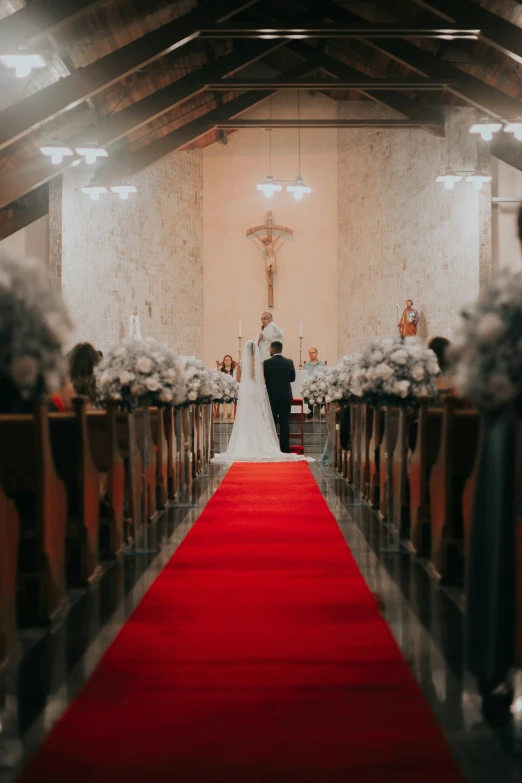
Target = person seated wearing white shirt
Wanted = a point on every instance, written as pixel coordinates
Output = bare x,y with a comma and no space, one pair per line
311,366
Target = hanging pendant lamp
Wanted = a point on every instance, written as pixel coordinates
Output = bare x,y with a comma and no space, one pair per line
298,187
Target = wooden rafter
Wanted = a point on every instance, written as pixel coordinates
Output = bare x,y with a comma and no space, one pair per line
118,169
470,89
394,100
36,21
33,172
494,30
21,118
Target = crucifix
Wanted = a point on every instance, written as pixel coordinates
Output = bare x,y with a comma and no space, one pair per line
268,245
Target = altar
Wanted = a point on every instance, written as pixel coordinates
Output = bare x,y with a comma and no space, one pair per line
300,377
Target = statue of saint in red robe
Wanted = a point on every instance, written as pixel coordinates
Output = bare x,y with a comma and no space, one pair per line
409,320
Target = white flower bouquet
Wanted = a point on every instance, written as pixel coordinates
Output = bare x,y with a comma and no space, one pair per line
340,379
199,383
140,372
226,388
33,327
395,371
314,390
488,347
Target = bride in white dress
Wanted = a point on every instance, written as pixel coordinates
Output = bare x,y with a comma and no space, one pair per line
254,437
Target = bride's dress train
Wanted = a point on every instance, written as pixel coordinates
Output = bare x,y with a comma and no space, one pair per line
254,437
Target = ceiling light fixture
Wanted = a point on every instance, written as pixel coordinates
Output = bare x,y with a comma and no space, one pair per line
56,153
269,186
515,128
298,188
22,63
478,179
91,154
449,178
486,128
124,190
94,191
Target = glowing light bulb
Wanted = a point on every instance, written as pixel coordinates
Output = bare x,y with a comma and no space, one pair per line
478,179
449,178
56,153
486,129
298,188
21,63
124,190
269,187
515,128
91,154
94,191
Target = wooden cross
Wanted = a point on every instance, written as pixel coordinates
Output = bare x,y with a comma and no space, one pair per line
268,244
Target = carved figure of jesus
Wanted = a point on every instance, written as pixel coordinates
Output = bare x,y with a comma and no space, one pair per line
268,245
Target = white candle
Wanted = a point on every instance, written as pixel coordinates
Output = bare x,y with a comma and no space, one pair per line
240,333
300,328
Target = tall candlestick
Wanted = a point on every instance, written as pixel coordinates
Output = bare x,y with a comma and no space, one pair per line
300,352
240,332
300,328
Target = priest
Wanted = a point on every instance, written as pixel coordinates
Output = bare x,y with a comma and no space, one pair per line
269,333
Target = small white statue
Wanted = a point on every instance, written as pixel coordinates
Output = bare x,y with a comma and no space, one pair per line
134,326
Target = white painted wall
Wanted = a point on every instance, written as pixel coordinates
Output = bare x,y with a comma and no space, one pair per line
507,182
235,283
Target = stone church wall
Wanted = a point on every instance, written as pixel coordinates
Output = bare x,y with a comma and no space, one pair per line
402,235
146,251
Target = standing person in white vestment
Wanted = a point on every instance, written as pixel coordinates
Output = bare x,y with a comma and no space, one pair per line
269,333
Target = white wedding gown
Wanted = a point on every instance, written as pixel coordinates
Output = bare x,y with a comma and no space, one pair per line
254,437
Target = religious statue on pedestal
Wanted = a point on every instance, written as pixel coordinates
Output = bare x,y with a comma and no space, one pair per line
134,326
268,245
409,320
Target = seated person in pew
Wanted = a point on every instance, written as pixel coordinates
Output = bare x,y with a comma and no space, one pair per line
445,382
80,382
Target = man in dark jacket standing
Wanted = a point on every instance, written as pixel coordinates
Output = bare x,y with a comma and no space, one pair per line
279,374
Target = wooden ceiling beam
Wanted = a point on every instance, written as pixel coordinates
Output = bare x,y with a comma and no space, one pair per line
31,173
35,207
359,83
393,100
118,169
355,30
470,89
34,22
21,118
494,30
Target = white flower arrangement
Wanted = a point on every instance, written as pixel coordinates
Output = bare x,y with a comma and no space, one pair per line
33,327
226,388
488,347
139,372
340,379
199,383
314,390
395,371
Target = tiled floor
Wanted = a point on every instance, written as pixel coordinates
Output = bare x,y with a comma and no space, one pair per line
426,621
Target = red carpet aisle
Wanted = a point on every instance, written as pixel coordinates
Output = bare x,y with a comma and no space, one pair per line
257,655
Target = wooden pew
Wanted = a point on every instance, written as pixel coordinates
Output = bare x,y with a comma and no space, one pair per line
74,465
157,424
103,438
28,476
9,534
180,448
401,490
453,466
389,440
366,438
147,451
188,459
374,457
344,432
170,435
127,444
429,430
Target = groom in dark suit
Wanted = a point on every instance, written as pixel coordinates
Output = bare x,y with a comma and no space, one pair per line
279,374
